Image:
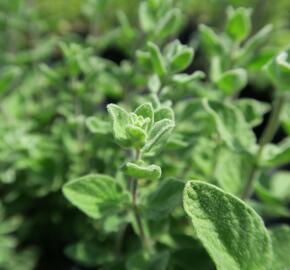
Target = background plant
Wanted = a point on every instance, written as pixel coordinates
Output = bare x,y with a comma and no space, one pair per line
184,111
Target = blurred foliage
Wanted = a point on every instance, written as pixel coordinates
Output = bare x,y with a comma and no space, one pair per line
61,63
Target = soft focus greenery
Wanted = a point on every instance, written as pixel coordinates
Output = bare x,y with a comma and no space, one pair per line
144,134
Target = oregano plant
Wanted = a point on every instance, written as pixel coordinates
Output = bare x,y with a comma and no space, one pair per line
140,135
181,192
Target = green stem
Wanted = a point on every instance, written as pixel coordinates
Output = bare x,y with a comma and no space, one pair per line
266,137
137,215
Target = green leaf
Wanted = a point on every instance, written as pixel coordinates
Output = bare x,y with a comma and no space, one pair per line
120,120
146,111
210,40
137,135
146,18
187,78
158,135
232,178
277,155
280,236
164,199
278,70
231,125
7,76
154,84
249,51
98,126
232,81
270,210
253,110
157,59
89,253
163,113
96,195
182,59
239,23
231,231
279,185
143,261
139,171
168,24
144,59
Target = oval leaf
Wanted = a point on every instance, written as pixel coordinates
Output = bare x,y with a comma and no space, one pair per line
231,231
96,195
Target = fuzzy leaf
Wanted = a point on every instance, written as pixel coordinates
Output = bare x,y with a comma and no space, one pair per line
249,51
120,120
97,125
164,113
146,111
231,125
232,81
146,17
144,59
150,172
182,59
159,133
278,70
187,78
280,236
210,40
96,195
278,155
239,23
231,231
232,178
253,110
157,59
280,185
137,135
168,24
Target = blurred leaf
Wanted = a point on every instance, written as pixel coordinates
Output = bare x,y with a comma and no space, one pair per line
96,195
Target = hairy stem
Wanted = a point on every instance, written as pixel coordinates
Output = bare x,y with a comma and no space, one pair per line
137,215
267,136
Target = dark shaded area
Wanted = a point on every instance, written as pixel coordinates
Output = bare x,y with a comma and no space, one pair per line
114,54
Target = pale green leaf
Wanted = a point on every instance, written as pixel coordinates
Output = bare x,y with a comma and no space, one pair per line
232,177
279,185
231,126
96,195
139,171
168,24
146,111
232,81
157,59
120,119
98,126
158,135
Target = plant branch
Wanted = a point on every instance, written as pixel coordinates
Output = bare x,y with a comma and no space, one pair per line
267,136
137,215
